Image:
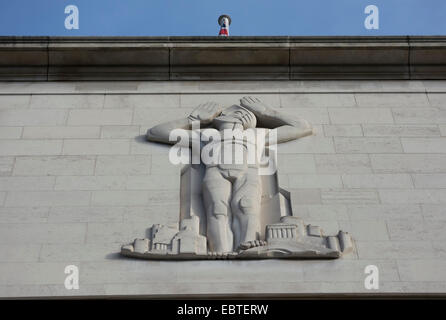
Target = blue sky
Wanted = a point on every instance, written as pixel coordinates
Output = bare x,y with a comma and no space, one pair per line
199,17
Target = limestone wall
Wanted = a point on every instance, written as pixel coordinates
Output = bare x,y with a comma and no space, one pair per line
77,180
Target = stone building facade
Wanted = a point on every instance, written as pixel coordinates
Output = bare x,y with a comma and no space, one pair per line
78,178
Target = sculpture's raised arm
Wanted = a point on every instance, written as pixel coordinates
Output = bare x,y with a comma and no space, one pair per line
288,127
204,114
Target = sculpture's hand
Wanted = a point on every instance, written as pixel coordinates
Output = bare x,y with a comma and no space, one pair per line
206,112
289,127
255,105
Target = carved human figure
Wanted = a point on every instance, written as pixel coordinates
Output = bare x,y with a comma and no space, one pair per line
231,191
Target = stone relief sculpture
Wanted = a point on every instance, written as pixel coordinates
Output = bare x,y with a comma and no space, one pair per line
231,204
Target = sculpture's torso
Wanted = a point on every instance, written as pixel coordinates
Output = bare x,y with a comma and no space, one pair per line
237,152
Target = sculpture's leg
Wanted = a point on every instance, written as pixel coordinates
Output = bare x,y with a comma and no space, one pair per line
245,206
216,198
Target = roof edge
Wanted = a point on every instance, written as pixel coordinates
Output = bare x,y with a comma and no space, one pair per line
217,58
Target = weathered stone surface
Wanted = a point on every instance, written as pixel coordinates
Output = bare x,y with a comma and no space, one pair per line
408,163
437,100
30,147
142,101
228,99
392,100
429,180
347,271
90,183
413,196
207,58
47,117
47,198
59,209
419,115
119,132
61,132
377,181
74,252
11,132
349,196
367,145
313,115
85,214
311,60
19,252
119,198
114,232
343,163
360,115
317,100
385,212
100,63
433,212
190,63
26,183
317,212
91,101
422,270
161,165
148,117
24,215
297,163
395,249
96,147
60,165
123,165
424,145
2,197
401,130
37,233
353,130
14,102
99,117
366,230
153,182
313,145
306,181
30,59
424,59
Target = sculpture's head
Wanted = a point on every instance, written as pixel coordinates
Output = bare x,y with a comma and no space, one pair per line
236,114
